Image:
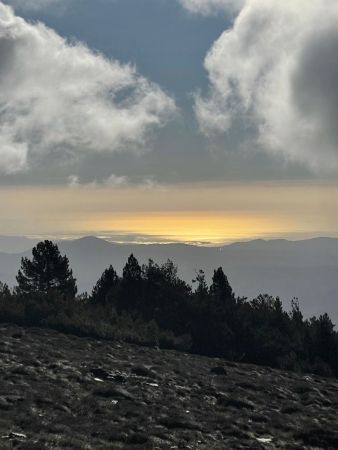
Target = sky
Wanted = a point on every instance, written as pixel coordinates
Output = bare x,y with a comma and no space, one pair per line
203,121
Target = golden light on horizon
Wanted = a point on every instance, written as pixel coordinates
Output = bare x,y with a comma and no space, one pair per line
209,226
213,213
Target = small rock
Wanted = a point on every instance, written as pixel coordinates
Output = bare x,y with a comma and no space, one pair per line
264,440
98,380
142,371
119,378
18,335
100,373
307,378
12,435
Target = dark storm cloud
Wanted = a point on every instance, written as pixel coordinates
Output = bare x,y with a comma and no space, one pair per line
315,85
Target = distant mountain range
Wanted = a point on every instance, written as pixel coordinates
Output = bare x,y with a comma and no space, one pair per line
305,269
16,244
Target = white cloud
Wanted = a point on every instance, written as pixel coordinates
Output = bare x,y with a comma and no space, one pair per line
61,98
210,7
115,180
74,181
277,70
13,155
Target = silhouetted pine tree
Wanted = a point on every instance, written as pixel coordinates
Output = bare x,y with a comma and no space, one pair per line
48,271
130,294
104,292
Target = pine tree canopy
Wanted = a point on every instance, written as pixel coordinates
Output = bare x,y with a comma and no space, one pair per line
47,271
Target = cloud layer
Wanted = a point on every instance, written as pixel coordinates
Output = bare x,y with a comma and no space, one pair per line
61,98
276,71
209,7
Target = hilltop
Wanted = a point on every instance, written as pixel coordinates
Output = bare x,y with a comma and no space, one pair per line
65,392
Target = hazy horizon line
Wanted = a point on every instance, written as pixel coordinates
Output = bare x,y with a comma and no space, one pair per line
134,239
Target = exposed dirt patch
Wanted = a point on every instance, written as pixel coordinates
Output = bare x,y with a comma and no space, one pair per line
64,392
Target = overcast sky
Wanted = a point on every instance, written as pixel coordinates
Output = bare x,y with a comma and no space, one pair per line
122,95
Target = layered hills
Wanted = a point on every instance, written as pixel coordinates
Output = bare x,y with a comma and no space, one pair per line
304,269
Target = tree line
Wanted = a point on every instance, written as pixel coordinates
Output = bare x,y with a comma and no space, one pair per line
151,305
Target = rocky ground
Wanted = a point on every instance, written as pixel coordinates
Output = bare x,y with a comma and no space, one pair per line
64,392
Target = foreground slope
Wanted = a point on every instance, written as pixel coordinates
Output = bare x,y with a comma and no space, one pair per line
64,392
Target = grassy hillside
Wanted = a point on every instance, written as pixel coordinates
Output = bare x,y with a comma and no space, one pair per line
64,392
